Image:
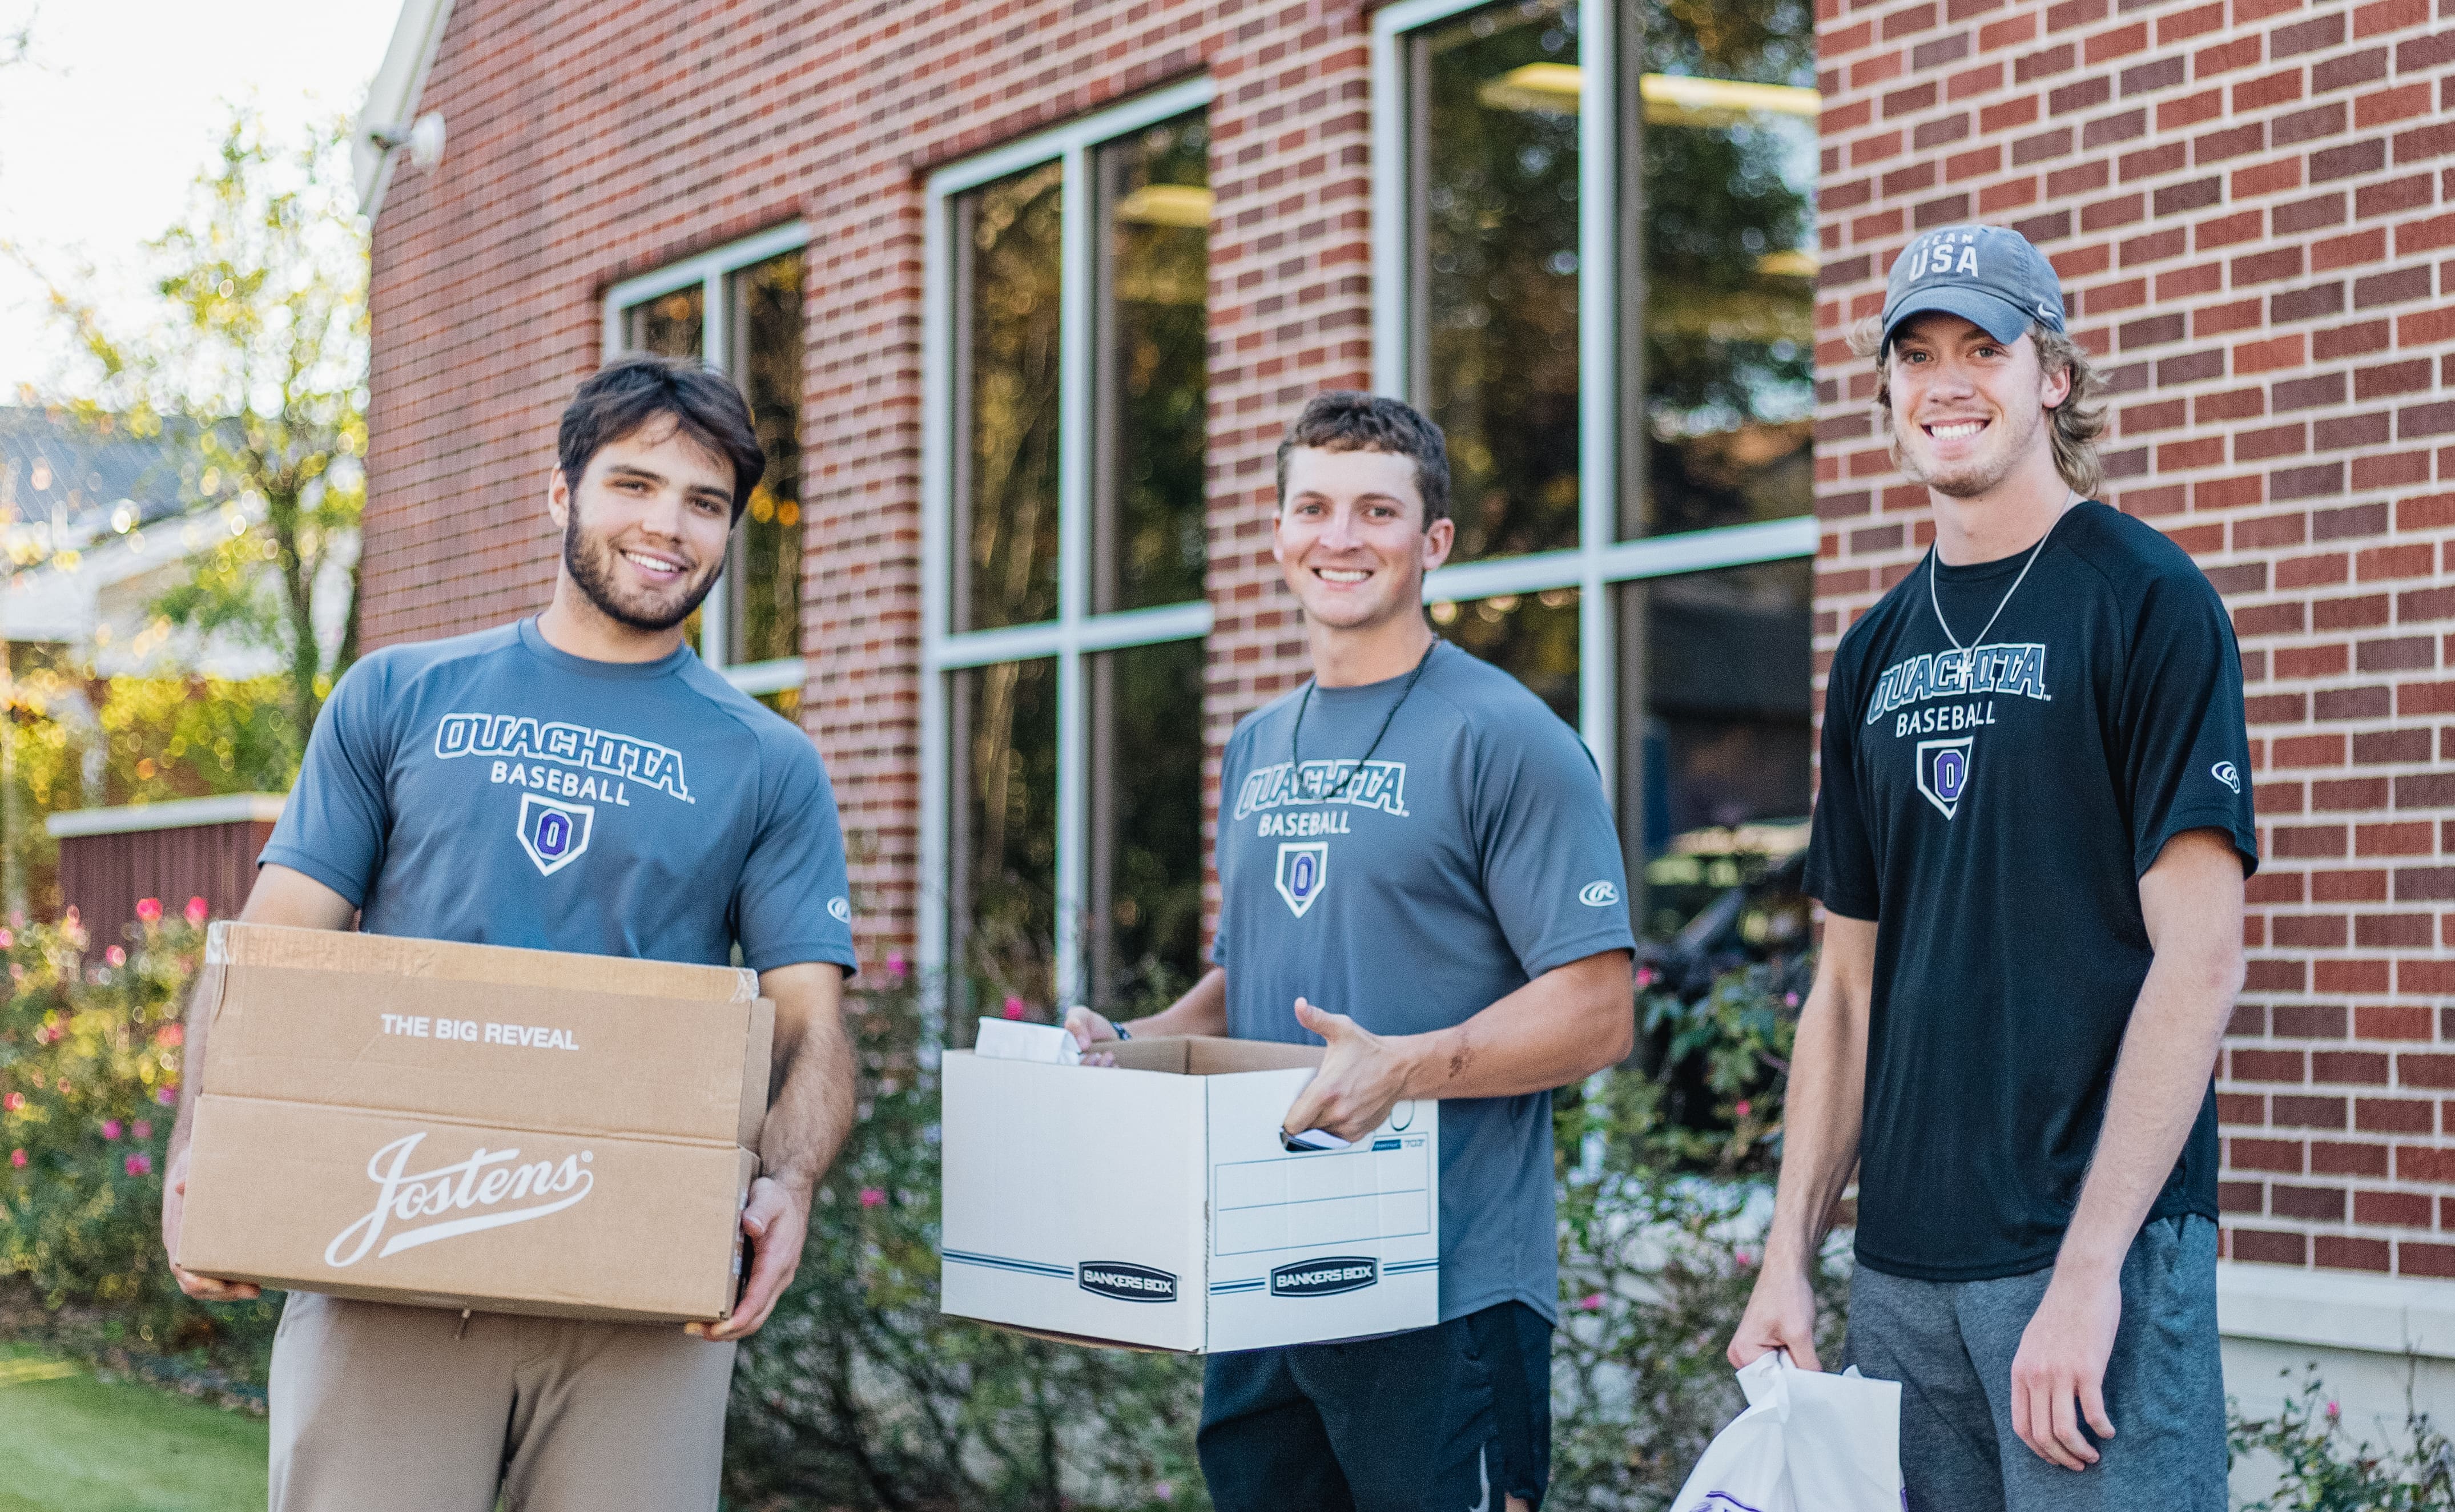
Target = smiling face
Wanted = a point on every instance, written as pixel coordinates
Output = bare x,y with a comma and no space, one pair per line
1968,411
644,532
1350,537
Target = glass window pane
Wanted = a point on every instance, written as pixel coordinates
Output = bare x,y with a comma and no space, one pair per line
1496,269
669,325
1002,862
1145,918
1715,782
1148,546
766,596
1531,636
1007,252
1726,155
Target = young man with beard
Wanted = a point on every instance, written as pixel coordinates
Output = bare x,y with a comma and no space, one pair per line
734,841
2031,839
1449,921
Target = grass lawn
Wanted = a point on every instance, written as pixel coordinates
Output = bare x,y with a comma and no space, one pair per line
71,1443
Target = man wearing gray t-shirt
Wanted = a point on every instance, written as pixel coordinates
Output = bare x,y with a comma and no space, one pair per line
579,782
1417,869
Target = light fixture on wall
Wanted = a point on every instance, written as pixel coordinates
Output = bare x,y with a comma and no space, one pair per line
423,137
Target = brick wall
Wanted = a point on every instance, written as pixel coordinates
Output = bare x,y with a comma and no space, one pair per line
2252,206
589,145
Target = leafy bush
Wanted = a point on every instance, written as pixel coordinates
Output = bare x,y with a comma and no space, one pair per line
860,1394
90,1059
2325,1469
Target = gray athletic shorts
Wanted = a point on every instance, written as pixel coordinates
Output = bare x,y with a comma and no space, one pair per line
1950,1344
401,1410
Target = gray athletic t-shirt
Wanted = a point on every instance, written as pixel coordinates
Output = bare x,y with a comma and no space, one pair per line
1474,853
493,789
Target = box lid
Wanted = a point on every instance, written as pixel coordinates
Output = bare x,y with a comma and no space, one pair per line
486,1034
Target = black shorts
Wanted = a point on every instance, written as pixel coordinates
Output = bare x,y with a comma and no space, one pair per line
1447,1419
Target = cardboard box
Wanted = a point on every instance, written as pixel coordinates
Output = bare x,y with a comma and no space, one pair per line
1151,1204
448,1125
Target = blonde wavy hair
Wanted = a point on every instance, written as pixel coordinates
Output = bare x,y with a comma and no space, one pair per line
2076,422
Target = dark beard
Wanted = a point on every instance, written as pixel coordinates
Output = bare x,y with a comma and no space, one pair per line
595,575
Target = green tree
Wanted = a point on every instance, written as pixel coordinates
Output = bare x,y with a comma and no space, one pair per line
253,354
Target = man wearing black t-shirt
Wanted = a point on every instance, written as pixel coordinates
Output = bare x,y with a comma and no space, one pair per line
2030,839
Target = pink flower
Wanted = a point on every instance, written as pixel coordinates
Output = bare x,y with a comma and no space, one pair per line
140,1165
168,1097
150,909
2334,1411
111,1128
141,1129
1590,1303
897,967
1014,1007
8,939
115,956
170,1034
13,1101
1746,1258
1742,1109
871,1197
197,910
17,1159
1790,999
1645,975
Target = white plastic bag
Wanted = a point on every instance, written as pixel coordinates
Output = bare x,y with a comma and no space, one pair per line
1808,1442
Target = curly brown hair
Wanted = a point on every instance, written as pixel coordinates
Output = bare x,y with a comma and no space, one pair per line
2078,421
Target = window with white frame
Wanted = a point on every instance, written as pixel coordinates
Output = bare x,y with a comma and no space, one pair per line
1594,269
738,309
1064,545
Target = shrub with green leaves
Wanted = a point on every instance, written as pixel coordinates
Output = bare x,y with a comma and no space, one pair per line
2325,1469
91,1043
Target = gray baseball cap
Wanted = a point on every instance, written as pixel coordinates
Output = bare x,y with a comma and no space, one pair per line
1989,275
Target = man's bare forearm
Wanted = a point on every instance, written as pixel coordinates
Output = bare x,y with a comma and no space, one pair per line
1826,1094
812,1112
1202,1010
2193,901
1562,1027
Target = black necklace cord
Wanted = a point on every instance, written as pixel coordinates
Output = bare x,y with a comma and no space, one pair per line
1296,753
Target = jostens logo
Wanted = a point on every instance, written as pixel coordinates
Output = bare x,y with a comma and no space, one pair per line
553,833
1326,1277
1303,871
1125,1281
485,1179
1943,771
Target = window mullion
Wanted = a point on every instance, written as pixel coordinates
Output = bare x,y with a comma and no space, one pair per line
715,351
1074,467
1599,364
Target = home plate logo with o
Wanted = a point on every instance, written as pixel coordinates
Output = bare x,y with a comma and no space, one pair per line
554,833
1304,870
1943,771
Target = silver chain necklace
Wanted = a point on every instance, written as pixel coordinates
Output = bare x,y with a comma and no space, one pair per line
1295,751
1934,562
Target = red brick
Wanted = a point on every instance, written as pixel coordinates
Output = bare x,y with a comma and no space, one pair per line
2340,1252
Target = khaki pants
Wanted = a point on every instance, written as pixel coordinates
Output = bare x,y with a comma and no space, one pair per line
377,1408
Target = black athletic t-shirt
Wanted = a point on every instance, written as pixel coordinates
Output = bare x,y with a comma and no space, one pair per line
1993,815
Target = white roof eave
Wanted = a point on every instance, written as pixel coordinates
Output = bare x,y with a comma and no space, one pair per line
392,100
